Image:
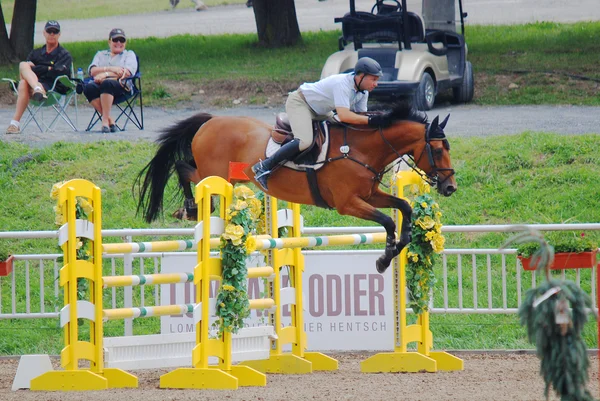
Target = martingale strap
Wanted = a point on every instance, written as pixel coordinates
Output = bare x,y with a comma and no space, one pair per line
311,176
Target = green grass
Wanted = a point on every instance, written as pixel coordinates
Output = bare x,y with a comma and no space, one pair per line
527,178
85,9
550,63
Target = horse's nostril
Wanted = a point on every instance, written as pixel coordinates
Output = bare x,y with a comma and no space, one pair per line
450,189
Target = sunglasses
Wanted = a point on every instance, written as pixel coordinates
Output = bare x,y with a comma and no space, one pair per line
120,40
52,32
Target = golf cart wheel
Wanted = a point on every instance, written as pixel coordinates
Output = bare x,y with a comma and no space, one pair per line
464,92
425,94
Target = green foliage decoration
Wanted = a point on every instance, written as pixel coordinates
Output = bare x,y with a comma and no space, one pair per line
561,242
233,305
554,314
427,242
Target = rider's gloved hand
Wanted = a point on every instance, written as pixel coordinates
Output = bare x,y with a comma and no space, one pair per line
380,120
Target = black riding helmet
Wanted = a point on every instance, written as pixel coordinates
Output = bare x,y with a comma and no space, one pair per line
367,66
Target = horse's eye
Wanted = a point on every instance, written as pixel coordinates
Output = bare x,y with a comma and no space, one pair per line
437,153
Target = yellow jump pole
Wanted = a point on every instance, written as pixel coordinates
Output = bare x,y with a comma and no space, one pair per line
200,375
401,360
96,377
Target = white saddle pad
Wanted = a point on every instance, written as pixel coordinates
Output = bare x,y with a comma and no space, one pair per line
273,147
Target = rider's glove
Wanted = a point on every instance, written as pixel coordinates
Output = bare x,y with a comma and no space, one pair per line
380,120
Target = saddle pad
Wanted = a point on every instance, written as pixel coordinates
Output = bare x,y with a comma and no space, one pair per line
273,147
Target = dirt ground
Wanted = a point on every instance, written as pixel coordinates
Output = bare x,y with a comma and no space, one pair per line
487,376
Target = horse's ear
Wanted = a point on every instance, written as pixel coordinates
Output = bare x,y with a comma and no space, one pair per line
434,124
443,124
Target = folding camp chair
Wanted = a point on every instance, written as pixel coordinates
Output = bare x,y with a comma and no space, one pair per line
57,101
126,104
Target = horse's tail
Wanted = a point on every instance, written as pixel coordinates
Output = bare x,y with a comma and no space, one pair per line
174,144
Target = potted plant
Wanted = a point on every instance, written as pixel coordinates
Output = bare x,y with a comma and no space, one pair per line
571,251
6,262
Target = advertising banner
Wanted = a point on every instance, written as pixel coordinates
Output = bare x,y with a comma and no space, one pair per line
347,304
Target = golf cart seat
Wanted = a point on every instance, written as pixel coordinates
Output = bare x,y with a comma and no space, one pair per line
367,27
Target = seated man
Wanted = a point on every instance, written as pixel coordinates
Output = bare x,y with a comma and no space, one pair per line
37,74
109,69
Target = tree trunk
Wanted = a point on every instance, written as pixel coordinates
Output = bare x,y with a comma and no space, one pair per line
276,23
439,14
7,54
22,27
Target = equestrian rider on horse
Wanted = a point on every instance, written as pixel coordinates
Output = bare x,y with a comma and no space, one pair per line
347,94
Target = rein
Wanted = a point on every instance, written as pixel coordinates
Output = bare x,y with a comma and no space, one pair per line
432,178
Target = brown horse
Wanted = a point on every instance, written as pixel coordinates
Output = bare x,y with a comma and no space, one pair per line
203,145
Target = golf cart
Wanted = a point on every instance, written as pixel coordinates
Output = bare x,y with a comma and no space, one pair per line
418,62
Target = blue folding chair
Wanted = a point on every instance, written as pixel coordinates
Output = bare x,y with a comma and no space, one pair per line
126,104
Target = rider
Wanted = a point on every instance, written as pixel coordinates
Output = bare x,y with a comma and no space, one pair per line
347,94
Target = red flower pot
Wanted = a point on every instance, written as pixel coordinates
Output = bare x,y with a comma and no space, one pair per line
583,260
6,266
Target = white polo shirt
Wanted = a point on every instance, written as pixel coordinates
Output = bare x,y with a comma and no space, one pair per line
332,92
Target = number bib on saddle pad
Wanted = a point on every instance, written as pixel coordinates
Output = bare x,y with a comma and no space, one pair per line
308,158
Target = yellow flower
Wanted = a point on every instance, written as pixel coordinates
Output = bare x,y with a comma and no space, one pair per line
79,244
423,205
438,227
438,214
240,205
256,208
85,205
430,234
250,245
54,190
424,187
415,257
426,223
243,192
222,305
229,214
234,233
59,219
438,243
228,287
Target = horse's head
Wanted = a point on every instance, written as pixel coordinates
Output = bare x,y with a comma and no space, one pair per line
434,158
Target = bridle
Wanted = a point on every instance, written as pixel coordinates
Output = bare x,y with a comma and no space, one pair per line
433,132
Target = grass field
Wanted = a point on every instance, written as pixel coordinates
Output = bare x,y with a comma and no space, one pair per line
542,63
85,9
539,178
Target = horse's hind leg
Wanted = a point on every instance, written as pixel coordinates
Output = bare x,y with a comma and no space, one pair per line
361,209
187,174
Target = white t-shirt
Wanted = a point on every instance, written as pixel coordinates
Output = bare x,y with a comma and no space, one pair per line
334,91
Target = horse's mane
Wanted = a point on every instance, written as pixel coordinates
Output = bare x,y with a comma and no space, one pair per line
402,110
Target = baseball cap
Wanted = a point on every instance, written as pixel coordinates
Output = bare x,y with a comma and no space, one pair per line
52,25
117,33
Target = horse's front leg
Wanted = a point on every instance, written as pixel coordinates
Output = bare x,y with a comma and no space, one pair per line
359,208
381,199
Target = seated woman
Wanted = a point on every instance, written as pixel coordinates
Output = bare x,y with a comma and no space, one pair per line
109,69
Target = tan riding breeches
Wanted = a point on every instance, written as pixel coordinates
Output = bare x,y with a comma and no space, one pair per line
301,115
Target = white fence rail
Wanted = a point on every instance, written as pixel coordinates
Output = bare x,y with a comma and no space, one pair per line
481,281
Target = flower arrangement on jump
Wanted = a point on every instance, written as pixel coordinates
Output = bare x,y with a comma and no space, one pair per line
427,242
233,305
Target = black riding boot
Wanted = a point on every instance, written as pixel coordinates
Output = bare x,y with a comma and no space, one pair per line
264,168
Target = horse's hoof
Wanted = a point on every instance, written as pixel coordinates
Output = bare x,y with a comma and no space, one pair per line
179,214
380,266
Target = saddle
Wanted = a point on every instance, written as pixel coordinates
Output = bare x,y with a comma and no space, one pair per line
282,134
